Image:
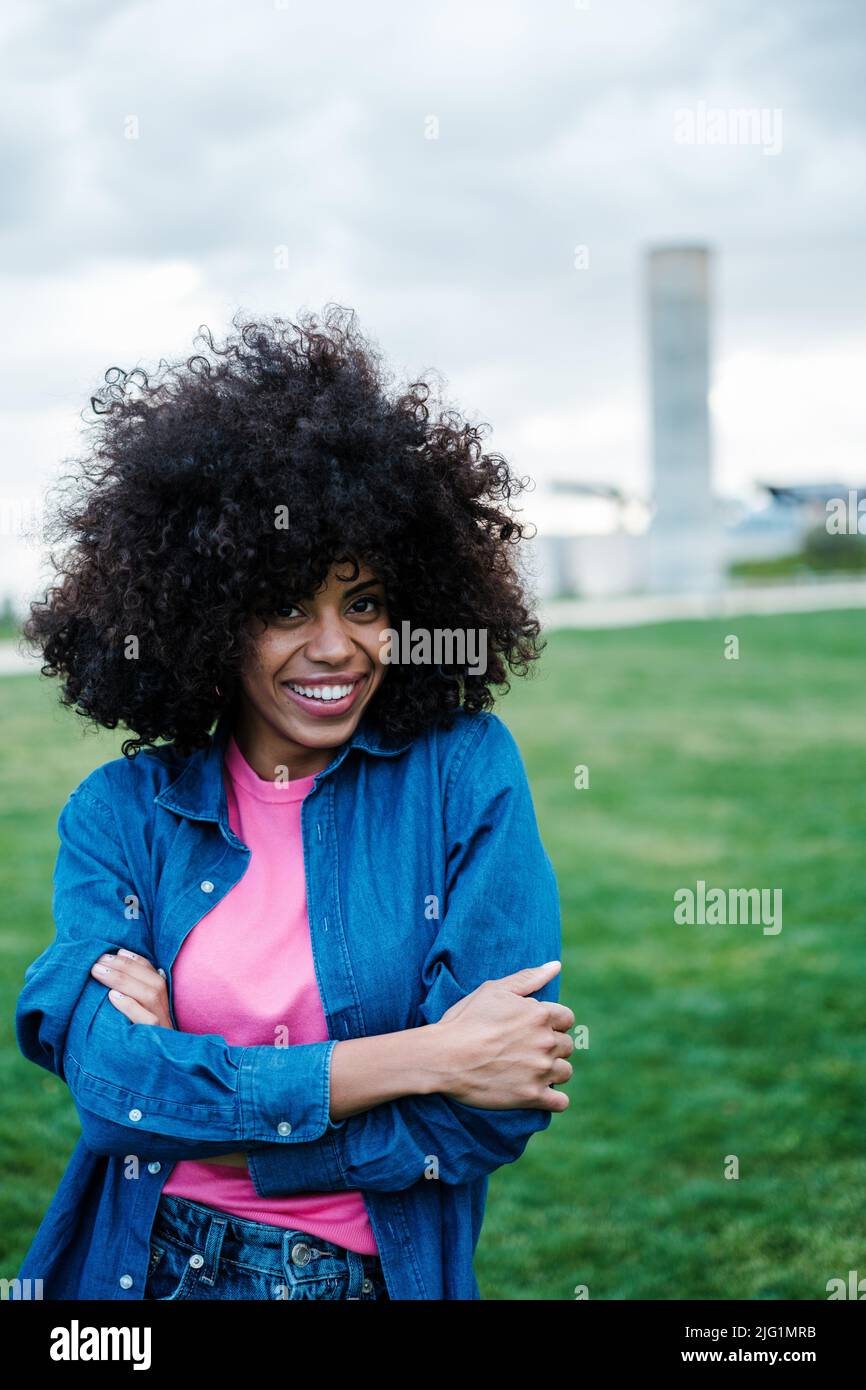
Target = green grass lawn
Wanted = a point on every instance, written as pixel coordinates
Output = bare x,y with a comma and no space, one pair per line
705,1041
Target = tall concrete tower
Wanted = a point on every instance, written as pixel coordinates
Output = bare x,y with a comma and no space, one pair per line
684,551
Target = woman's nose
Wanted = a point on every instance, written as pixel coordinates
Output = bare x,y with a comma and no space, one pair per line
329,641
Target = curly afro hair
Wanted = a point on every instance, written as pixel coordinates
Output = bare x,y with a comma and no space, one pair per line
170,536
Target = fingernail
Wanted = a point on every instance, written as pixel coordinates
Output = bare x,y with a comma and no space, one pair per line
130,954
103,969
115,994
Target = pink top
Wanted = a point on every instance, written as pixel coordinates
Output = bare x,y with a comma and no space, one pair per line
245,971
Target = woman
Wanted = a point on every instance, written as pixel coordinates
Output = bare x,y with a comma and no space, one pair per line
303,988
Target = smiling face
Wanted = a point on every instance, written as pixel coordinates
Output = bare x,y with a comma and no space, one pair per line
315,667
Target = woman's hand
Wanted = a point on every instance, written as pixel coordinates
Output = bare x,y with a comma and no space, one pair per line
508,1051
135,987
139,992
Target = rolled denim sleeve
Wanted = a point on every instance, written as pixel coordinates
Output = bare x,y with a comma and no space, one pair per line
502,914
165,1093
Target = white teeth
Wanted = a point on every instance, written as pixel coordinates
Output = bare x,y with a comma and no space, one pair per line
322,692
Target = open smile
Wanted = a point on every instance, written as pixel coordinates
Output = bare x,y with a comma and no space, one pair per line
324,700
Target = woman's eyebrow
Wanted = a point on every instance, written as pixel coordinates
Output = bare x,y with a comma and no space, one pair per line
366,584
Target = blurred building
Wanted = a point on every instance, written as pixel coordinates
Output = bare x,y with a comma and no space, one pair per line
596,541
591,540
684,552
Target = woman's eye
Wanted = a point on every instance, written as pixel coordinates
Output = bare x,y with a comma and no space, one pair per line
287,612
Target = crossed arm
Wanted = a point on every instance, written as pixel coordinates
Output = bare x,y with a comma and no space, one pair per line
324,1164
164,1094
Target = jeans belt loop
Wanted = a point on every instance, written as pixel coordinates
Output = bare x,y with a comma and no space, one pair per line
213,1246
355,1263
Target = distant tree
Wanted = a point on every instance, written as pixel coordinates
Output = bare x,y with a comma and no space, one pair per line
9,621
823,551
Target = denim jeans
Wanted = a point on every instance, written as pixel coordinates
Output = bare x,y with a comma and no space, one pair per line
199,1252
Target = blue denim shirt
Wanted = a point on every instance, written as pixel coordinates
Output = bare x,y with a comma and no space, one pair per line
426,875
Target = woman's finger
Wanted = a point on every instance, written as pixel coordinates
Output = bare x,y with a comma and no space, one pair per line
561,1016
127,976
136,979
132,967
141,962
134,1011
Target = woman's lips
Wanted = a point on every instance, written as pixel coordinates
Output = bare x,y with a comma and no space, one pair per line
324,709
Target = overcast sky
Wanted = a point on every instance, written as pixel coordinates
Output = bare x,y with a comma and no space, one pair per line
307,126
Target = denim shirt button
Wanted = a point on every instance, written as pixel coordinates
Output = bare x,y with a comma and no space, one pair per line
284,1127
135,1114
126,1281
153,1167
207,886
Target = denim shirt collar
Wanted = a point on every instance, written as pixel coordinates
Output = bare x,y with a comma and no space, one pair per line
199,791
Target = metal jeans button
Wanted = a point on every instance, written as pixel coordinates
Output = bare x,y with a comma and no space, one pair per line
301,1253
